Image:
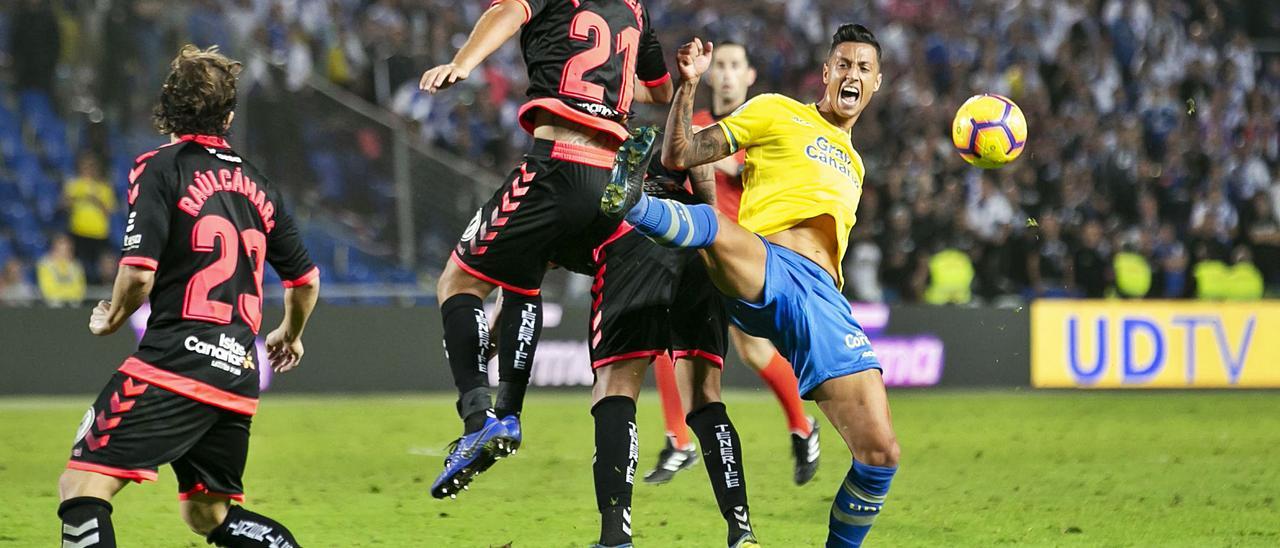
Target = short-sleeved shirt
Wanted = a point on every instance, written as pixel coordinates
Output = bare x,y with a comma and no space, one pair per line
61,281
584,58
91,203
206,221
799,166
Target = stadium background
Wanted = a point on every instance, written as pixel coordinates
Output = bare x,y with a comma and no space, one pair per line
1152,171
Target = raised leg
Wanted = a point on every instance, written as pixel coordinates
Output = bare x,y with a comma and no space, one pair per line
735,256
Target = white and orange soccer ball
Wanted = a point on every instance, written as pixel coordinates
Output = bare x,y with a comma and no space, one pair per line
989,131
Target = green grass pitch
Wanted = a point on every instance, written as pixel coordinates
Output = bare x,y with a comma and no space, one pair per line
980,469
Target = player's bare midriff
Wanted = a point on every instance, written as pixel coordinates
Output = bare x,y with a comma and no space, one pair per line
815,239
554,128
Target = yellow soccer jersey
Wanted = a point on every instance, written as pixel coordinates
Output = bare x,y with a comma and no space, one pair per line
798,167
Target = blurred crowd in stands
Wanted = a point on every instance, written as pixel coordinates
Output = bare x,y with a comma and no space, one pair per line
1152,169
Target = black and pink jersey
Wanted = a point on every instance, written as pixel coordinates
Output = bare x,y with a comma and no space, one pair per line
584,57
207,222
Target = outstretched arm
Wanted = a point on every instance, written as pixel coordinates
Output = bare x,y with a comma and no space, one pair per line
494,27
681,147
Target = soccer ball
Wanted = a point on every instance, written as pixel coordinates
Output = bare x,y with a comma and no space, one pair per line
989,131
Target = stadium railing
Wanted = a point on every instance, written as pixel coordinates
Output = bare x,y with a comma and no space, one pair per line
403,201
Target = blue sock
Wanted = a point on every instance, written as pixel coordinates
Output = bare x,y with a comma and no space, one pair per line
673,224
857,504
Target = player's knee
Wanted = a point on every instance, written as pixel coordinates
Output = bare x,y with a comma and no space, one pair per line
757,354
883,451
619,379
706,383
202,517
200,526
703,397
614,392
705,394
893,454
68,485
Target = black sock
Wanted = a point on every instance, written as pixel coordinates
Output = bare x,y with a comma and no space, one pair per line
520,325
466,340
617,455
722,456
245,529
510,398
86,522
474,408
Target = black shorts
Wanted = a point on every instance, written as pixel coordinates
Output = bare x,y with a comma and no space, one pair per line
549,207
647,300
134,427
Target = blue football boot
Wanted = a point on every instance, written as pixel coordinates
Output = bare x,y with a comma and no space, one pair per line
507,443
470,455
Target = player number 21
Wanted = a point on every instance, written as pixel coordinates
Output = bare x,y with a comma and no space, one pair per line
198,305
590,26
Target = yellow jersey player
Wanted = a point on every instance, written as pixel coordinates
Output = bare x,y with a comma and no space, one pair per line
779,266
730,76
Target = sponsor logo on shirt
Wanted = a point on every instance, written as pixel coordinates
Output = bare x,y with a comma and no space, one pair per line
856,341
227,354
598,110
132,241
823,151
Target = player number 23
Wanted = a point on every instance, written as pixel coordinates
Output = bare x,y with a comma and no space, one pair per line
198,305
590,26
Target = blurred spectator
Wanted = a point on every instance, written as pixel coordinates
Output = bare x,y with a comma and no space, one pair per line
950,278
60,276
1091,262
299,62
1170,280
1264,237
35,44
105,267
1213,218
15,288
990,213
1172,261
114,87
1132,274
90,203
1049,265
990,217
1244,281
903,261
864,272
207,24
